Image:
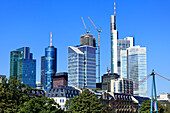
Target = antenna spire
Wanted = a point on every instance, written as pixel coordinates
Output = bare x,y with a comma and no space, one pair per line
114,8
50,38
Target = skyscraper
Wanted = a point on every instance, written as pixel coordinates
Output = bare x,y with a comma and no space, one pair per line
23,66
82,66
123,45
114,38
50,64
43,71
134,67
117,45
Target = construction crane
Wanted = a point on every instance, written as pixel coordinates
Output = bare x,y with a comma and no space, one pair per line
98,49
85,25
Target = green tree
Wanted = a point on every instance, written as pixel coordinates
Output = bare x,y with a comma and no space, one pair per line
41,105
13,94
146,106
167,107
85,103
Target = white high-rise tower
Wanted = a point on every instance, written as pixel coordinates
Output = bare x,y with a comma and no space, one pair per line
114,38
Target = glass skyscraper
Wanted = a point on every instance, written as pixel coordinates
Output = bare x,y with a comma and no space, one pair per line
23,66
134,67
43,71
123,45
50,65
82,66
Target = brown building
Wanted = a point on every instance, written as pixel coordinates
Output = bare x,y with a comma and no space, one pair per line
60,78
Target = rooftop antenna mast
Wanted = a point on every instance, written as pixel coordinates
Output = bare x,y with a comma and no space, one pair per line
50,38
98,49
85,25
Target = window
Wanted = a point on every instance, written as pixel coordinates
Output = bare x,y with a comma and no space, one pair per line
61,90
61,95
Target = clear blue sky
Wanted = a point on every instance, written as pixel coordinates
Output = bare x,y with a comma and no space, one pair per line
29,23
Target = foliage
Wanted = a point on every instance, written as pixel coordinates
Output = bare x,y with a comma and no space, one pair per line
14,98
41,105
85,103
146,106
13,94
96,89
167,107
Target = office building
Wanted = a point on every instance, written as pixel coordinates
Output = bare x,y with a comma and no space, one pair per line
50,64
134,67
23,66
114,38
43,71
2,77
60,78
106,80
123,45
117,45
82,66
122,85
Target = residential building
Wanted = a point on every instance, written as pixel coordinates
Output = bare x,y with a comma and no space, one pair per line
134,67
50,64
122,85
43,71
23,66
119,102
60,78
1,77
82,66
106,80
61,94
36,93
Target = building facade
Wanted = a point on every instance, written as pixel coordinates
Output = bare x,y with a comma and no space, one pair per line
60,78
61,94
50,64
134,67
82,66
122,85
23,66
43,71
106,80
123,45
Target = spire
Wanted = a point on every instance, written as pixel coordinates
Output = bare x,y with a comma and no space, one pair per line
114,8
50,38
114,15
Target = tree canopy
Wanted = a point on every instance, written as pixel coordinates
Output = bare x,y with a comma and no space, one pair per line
41,105
85,103
14,98
146,106
13,94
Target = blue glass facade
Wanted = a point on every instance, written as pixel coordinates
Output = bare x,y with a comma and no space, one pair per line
43,71
23,66
50,65
134,67
82,66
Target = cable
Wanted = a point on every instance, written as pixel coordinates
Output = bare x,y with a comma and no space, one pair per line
162,77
